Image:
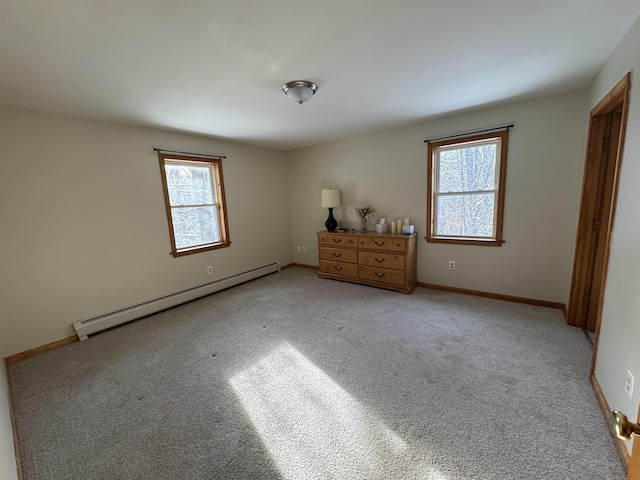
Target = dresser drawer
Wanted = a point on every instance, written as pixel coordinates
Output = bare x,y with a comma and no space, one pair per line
336,240
374,243
338,268
381,259
338,254
382,275
399,245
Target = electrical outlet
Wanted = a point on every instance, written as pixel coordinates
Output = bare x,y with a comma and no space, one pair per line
452,265
209,270
629,385
302,249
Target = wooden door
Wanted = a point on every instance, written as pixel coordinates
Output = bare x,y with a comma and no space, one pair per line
595,223
634,460
604,196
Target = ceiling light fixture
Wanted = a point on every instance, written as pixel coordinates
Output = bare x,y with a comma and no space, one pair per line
299,90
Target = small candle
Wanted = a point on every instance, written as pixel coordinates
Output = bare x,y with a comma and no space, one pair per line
399,226
393,227
406,221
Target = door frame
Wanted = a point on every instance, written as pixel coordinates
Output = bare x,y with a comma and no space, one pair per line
616,99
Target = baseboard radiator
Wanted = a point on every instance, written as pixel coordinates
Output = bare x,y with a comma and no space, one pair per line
96,324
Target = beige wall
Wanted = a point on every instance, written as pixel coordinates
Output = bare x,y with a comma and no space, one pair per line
84,228
388,171
7,455
620,328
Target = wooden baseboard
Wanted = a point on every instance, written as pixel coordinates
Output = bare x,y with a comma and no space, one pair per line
604,406
300,265
479,293
497,296
35,351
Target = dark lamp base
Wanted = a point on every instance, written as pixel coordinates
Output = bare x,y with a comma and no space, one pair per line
331,222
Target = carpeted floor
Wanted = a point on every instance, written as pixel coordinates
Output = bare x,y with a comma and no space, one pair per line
293,377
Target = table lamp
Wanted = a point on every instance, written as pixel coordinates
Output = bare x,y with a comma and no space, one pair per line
330,199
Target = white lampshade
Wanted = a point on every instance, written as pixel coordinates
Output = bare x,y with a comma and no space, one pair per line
330,198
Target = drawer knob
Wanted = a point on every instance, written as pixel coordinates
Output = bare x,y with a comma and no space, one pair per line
337,267
379,244
380,275
337,240
337,255
379,260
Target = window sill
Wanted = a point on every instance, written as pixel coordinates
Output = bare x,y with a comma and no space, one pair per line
205,248
490,242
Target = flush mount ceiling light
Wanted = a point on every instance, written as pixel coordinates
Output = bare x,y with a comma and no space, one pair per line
299,90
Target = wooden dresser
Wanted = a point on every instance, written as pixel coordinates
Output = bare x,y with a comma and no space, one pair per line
385,260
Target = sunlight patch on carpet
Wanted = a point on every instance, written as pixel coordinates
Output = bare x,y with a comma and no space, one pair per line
314,429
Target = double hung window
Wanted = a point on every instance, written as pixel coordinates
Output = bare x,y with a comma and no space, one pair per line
195,204
465,200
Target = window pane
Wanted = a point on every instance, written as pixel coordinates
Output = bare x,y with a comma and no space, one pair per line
465,215
195,226
189,184
467,169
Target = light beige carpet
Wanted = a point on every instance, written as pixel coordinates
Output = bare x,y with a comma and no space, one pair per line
293,377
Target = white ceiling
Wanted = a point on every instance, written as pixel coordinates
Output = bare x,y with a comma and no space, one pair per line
216,67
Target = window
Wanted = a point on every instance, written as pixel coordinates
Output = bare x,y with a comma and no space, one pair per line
465,192
194,197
